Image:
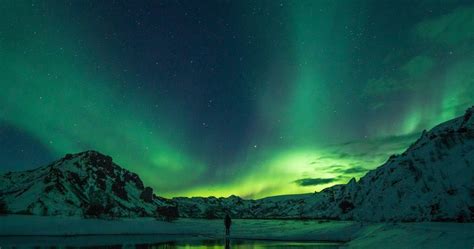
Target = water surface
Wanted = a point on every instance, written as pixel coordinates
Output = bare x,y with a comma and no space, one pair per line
152,242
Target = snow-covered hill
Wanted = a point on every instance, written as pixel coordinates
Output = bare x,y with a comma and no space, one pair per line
433,180
86,183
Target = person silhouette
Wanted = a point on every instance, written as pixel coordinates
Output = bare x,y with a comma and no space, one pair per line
227,223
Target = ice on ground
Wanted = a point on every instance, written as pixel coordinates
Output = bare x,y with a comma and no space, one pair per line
354,234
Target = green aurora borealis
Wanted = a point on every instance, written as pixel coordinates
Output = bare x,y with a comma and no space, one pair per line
253,98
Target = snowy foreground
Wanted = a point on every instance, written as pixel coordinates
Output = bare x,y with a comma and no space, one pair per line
352,234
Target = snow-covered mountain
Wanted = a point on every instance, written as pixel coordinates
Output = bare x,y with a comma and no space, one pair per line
433,180
86,183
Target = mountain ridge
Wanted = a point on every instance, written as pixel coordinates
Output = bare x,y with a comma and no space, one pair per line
432,180
416,185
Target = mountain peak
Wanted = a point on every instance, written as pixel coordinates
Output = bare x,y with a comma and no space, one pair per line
88,154
90,159
78,183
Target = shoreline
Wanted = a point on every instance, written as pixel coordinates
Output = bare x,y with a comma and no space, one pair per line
15,228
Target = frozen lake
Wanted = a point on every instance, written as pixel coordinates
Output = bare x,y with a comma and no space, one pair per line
151,241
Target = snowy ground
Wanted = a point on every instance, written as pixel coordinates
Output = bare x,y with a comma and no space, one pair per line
355,235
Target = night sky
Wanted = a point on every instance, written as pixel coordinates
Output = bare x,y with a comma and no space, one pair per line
253,98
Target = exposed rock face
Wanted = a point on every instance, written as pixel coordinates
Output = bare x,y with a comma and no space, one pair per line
77,183
147,195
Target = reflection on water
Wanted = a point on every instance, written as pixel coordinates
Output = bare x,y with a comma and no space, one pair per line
84,243
240,244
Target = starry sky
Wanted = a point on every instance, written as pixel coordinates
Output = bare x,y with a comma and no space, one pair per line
253,98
